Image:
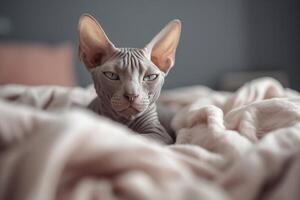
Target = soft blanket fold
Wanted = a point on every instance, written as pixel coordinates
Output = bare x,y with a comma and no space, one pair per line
242,145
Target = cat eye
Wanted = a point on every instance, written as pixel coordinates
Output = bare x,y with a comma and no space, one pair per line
111,75
150,77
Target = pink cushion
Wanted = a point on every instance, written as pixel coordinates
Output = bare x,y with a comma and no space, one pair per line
36,64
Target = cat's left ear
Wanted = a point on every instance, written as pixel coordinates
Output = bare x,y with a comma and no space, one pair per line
162,48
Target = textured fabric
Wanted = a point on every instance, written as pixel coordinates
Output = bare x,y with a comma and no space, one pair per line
224,149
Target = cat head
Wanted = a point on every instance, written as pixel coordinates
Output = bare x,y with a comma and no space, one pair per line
128,80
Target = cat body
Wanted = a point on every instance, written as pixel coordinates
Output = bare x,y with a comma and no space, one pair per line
128,81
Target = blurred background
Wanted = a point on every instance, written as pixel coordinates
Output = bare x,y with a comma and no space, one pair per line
223,43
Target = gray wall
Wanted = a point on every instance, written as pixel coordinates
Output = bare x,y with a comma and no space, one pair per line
218,35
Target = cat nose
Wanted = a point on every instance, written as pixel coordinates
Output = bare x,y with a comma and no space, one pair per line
131,97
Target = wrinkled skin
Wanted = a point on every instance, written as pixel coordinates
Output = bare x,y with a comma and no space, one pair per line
128,81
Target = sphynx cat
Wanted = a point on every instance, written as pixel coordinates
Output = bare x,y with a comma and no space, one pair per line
128,81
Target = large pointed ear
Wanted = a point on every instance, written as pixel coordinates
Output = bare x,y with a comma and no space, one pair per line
162,47
94,45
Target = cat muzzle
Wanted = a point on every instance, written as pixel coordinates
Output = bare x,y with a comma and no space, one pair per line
131,97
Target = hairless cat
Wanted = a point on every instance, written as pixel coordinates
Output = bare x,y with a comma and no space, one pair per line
128,81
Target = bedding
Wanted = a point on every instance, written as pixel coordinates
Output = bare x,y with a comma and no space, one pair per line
241,145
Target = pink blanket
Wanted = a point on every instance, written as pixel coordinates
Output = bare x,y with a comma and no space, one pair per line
242,145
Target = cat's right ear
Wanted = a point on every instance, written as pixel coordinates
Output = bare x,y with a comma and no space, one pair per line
94,46
162,47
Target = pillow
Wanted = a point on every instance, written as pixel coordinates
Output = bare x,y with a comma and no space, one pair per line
36,64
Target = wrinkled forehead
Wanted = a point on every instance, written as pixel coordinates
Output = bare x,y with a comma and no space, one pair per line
131,60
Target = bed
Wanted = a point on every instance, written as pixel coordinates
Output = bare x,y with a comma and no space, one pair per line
239,145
